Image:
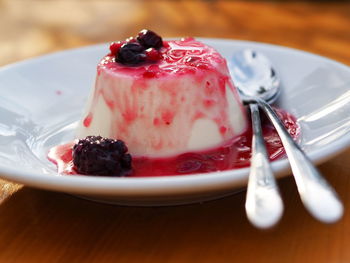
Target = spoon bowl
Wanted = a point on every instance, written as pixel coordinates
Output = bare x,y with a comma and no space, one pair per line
254,76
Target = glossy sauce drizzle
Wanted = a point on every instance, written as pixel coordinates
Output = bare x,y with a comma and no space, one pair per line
234,155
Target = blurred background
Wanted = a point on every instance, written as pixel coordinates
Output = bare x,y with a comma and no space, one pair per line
30,28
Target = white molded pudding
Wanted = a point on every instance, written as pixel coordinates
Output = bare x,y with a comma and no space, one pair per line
184,102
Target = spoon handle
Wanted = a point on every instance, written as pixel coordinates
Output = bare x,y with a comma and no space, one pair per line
317,195
263,205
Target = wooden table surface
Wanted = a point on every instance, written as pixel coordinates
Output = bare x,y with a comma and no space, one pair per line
42,226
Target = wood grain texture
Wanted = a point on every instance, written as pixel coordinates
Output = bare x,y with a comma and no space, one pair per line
41,226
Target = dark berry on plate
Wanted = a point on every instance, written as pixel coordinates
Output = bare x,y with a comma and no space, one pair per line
148,38
131,54
96,155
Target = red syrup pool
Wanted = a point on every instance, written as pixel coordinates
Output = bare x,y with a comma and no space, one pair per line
234,155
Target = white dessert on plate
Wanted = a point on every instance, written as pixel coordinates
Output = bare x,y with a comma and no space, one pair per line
162,108
172,99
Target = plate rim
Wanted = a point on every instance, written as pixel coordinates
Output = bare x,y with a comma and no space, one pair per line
170,185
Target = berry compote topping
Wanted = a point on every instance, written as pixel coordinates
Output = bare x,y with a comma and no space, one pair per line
152,54
135,51
114,47
174,58
96,155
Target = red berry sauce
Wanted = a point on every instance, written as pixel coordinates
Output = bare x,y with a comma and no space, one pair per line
234,155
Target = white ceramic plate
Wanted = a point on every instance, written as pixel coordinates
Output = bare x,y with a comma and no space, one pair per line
42,99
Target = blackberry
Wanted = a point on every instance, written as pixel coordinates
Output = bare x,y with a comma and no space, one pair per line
96,155
131,54
148,38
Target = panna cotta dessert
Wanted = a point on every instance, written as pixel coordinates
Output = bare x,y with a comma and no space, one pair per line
163,108
163,98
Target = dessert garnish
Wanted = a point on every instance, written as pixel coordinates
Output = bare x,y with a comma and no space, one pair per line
96,155
135,51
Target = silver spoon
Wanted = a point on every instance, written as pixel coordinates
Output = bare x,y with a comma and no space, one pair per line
258,84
